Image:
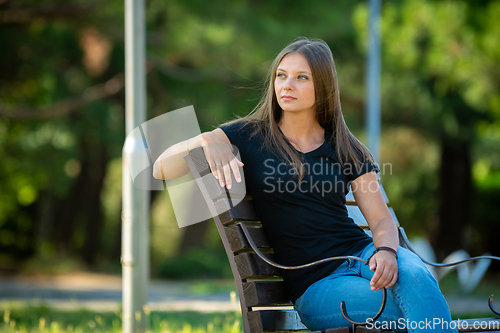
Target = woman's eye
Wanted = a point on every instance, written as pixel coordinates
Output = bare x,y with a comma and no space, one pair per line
303,77
281,75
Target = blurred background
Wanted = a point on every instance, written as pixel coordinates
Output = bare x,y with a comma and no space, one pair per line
62,117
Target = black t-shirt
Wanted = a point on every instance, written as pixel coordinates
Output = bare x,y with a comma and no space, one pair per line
303,223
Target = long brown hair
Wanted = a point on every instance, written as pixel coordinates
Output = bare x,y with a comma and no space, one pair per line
265,117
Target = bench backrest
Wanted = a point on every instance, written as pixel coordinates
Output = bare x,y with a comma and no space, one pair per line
265,306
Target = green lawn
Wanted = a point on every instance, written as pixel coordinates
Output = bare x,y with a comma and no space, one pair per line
42,319
48,320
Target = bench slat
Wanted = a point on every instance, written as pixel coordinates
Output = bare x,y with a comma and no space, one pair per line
250,266
239,243
275,321
265,293
216,192
243,211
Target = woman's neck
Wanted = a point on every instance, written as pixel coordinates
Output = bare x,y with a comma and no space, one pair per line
301,127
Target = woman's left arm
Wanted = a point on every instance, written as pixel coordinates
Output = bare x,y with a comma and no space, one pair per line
372,204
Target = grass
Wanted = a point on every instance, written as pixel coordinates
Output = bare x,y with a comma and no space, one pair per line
43,319
31,319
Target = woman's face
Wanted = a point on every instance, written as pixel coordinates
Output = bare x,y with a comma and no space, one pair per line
294,84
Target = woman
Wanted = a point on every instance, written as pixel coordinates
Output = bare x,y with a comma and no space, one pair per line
300,159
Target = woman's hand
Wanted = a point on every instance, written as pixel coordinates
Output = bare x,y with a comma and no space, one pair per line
221,159
385,265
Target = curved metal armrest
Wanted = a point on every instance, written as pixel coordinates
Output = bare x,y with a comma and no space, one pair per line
408,245
492,307
343,309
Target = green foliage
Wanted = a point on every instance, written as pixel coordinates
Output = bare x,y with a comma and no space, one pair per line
439,78
196,55
43,153
42,319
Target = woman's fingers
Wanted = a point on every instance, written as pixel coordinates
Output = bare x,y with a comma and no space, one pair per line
220,174
386,272
223,172
384,279
232,166
221,166
215,171
374,283
394,279
221,160
227,175
213,164
235,163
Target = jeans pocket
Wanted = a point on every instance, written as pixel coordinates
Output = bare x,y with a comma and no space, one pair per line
353,266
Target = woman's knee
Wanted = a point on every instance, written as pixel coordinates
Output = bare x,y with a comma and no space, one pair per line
412,269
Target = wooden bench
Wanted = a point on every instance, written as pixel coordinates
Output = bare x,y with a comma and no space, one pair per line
265,306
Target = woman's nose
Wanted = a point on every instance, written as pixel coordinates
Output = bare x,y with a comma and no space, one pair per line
287,85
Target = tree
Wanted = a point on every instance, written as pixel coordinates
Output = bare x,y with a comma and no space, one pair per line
442,58
59,96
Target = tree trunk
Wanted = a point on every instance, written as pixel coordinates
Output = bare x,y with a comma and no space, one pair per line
92,205
45,219
455,198
70,206
82,205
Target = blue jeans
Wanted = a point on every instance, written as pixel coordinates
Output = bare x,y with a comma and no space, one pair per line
414,303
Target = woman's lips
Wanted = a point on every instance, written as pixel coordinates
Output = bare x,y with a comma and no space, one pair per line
287,98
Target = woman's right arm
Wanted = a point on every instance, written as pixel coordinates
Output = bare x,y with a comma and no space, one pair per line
218,150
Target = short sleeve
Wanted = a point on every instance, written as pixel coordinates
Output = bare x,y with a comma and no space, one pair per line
351,171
